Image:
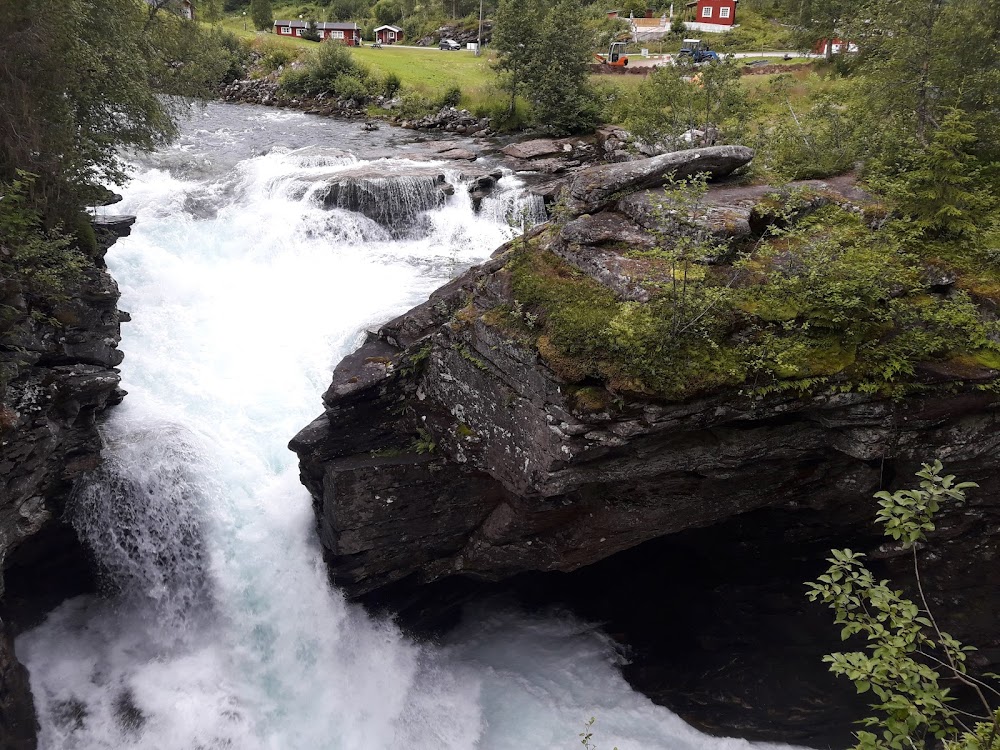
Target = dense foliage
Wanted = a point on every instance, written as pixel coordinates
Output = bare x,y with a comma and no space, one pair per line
261,14
829,298
542,55
331,69
83,80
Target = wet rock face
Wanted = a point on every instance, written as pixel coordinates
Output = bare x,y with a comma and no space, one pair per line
61,377
449,451
17,712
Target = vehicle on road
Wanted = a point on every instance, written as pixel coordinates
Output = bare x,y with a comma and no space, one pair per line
616,55
449,44
698,51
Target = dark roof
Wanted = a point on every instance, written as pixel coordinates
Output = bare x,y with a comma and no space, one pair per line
389,26
321,26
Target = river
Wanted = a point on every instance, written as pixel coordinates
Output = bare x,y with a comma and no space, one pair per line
218,628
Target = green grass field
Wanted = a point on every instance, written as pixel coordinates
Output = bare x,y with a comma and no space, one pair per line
430,72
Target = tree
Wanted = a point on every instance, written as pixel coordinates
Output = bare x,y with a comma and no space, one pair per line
907,656
82,82
210,10
943,191
542,53
675,99
821,20
517,43
558,80
311,32
919,59
261,14
387,11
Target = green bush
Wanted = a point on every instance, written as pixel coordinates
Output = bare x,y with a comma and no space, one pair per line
331,61
43,264
331,69
391,85
413,106
274,55
495,105
908,665
451,97
351,87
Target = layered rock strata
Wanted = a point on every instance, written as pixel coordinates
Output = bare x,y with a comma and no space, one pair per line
60,377
451,449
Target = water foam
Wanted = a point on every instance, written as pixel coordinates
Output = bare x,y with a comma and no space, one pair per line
225,632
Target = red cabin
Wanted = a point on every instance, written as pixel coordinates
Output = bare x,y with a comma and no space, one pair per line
345,33
719,12
388,34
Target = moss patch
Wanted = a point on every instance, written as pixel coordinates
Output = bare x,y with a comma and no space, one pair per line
826,303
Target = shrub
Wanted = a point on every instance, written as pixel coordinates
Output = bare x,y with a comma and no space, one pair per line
331,68
451,97
908,663
237,52
391,85
495,105
43,264
414,106
273,55
331,61
350,87
311,32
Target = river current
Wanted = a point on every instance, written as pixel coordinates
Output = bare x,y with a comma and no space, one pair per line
219,628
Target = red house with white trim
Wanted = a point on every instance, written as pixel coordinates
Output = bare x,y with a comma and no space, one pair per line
720,12
345,33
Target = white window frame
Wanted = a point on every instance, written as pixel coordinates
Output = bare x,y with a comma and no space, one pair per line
298,32
724,12
706,12
337,34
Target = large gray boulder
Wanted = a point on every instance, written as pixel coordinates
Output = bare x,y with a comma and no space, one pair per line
598,187
534,149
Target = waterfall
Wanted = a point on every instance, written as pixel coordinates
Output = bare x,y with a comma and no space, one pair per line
142,514
219,628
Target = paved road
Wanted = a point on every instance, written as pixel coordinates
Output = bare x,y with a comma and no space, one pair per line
635,60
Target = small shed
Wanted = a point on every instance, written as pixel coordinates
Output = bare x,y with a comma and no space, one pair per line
388,34
345,33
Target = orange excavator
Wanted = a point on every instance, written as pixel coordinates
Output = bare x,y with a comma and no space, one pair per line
616,55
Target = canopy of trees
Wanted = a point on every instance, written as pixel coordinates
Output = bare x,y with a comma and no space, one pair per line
82,81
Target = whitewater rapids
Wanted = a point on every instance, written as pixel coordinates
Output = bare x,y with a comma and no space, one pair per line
219,628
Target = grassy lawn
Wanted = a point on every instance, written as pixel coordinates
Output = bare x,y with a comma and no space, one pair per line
431,71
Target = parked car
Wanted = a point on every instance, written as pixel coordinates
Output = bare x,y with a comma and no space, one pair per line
449,44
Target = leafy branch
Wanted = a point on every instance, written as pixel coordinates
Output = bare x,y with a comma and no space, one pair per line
908,656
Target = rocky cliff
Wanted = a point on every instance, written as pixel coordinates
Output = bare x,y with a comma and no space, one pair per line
58,359
474,439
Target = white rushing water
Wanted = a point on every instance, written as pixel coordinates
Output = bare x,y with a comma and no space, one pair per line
223,631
